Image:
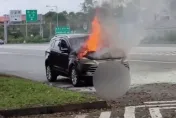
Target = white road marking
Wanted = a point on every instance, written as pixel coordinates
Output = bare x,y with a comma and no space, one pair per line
160,102
168,108
105,114
145,61
42,49
21,54
156,105
5,53
129,112
80,116
155,54
155,113
135,51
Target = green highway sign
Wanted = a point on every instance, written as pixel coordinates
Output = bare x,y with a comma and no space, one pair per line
31,16
62,30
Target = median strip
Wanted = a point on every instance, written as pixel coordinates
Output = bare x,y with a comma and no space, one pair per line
20,97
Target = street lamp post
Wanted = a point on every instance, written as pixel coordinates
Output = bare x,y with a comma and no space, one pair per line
56,12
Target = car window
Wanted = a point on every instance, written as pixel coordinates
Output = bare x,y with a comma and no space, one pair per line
52,43
56,46
63,44
76,43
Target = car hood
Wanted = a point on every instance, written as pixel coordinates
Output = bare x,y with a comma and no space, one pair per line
105,55
97,62
100,56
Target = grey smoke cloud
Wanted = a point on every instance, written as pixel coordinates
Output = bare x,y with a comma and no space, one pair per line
112,79
126,31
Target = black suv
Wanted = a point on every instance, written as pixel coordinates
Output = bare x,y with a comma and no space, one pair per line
61,59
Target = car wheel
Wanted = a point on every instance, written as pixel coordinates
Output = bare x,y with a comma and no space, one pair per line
89,81
75,79
50,75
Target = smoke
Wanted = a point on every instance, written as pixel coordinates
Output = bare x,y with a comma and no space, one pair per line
124,22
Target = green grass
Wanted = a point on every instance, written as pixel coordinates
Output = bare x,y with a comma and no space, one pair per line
21,93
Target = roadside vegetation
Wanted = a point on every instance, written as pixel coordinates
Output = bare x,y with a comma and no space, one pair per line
36,39
22,93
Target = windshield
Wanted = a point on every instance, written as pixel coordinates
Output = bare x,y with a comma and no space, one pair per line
76,43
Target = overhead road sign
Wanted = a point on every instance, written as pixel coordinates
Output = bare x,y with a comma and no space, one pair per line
31,16
15,16
62,30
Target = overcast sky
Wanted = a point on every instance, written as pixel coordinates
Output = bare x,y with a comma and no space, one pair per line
40,5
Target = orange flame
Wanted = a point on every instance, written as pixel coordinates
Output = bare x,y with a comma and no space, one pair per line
93,42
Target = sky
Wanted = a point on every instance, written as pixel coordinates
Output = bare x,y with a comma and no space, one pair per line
40,5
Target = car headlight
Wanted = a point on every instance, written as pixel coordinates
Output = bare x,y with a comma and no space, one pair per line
83,60
125,62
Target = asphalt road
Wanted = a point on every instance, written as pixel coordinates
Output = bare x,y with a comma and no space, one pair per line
149,65
28,61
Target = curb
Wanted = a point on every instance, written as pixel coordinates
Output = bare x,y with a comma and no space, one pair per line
50,109
13,75
54,109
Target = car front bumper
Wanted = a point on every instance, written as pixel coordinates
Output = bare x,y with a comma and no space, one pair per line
88,69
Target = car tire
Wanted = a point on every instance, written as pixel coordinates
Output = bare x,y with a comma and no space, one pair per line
89,82
51,75
75,79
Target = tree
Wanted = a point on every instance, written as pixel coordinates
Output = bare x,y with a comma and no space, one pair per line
65,13
72,21
52,17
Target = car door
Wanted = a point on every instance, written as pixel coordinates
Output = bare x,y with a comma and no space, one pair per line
64,56
49,53
56,56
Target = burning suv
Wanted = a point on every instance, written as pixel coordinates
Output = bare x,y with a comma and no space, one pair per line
62,59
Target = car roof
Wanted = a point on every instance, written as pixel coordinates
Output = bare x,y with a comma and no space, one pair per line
68,36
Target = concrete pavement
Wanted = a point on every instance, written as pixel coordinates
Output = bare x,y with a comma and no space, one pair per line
146,101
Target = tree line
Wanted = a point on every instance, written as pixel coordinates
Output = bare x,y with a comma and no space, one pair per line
78,22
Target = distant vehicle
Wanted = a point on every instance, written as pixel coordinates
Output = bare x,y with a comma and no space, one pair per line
61,59
1,42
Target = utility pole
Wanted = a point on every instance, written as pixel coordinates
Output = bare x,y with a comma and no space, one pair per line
56,7
50,27
57,16
5,32
41,26
26,31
